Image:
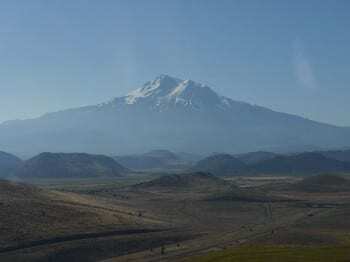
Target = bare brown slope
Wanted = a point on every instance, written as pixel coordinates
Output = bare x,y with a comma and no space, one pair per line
29,214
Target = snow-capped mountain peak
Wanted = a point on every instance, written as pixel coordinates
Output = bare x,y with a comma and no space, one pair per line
165,91
160,86
167,112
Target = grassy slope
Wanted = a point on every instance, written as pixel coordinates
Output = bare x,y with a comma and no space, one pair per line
31,214
277,254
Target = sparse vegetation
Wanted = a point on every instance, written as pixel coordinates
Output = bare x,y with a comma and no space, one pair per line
218,212
323,183
277,254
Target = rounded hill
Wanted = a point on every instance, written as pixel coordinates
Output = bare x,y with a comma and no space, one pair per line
184,181
70,165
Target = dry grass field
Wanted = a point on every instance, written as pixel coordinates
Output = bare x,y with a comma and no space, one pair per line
148,220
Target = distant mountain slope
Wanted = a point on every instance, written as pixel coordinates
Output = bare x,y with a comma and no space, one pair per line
255,157
304,163
164,154
156,159
341,155
70,165
299,164
8,163
140,162
221,165
180,115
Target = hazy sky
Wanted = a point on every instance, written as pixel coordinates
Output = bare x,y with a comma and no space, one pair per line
291,56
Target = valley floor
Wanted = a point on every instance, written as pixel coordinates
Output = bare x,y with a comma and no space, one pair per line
166,224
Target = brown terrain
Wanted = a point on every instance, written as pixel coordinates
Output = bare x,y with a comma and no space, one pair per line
171,217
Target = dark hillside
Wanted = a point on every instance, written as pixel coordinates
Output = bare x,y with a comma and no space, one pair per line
72,165
185,181
221,165
305,163
8,163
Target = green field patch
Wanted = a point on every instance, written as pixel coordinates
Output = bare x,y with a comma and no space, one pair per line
278,254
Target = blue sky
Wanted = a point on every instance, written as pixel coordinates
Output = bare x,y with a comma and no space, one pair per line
291,56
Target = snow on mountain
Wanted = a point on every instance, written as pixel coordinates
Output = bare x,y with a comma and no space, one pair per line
167,92
158,88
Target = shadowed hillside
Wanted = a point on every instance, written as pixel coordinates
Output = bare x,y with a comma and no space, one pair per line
221,165
341,155
73,165
305,163
8,163
197,180
255,157
156,159
298,164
